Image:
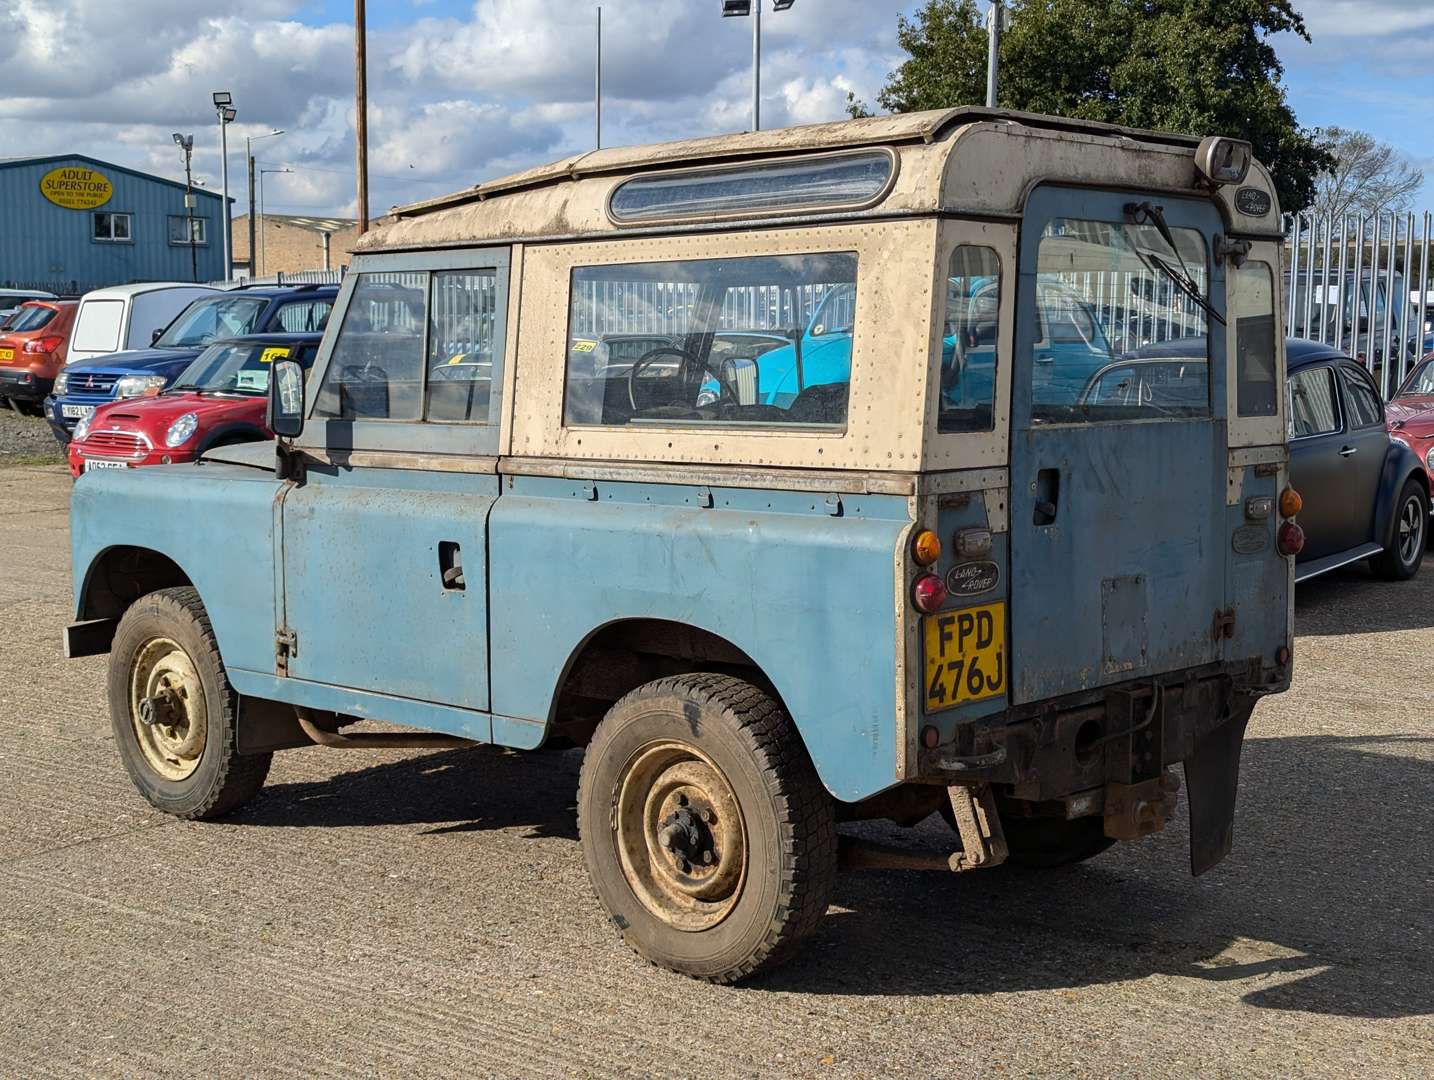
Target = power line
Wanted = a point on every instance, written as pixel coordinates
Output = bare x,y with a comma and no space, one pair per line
347,172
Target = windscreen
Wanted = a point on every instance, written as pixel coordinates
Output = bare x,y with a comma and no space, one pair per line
1122,325
217,317
238,368
1420,381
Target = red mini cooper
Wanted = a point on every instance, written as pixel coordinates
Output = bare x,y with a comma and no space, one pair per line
218,400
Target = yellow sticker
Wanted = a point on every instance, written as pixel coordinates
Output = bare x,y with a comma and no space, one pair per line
456,358
584,346
268,356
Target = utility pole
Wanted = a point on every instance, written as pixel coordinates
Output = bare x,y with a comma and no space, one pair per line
249,154
224,109
756,65
597,142
361,111
995,22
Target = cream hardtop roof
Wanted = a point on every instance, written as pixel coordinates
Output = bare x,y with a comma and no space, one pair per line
967,161
891,130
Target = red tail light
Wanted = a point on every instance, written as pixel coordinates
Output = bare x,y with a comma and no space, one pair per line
928,593
1291,539
47,344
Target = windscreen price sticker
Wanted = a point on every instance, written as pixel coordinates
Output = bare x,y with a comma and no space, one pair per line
965,655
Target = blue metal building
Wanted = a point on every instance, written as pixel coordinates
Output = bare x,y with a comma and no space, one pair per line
70,223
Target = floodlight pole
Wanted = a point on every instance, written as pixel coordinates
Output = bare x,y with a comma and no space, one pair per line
224,174
995,20
597,140
361,111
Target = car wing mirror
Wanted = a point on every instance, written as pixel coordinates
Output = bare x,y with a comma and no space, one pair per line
285,413
155,334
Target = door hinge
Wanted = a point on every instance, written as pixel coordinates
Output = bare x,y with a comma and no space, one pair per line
1224,626
1235,251
286,647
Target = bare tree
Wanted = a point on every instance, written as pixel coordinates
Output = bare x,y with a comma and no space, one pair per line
1367,176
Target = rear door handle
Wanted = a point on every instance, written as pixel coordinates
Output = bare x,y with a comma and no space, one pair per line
1349,451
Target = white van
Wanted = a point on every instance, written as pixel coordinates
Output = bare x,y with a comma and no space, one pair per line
126,317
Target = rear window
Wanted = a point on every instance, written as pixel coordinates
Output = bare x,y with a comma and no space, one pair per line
31,318
97,329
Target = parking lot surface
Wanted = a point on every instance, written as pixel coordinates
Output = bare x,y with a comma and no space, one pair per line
405,913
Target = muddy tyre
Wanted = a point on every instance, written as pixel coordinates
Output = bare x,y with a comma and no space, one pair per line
708,837
1404,549
173,710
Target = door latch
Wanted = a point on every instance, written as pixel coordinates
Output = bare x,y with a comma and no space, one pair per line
286,647
1224,625
450,565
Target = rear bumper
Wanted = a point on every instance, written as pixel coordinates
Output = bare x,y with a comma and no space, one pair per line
1051,749
23,385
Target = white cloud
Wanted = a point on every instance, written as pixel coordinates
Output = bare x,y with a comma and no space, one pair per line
501,85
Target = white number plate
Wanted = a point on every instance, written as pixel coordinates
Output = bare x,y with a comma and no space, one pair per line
76,412
99,463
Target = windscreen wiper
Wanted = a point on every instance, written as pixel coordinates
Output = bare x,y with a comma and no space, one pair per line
1146,213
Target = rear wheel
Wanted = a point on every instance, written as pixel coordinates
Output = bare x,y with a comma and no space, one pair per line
1404,550
708,837
173,710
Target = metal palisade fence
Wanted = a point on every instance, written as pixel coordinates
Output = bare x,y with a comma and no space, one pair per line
1362,283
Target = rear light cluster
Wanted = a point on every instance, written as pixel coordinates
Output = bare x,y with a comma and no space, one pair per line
47,344
1291,538
928,591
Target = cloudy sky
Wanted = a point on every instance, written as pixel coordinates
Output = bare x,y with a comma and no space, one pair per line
461,90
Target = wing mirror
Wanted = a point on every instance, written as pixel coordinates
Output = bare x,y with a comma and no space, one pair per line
285,413
155,334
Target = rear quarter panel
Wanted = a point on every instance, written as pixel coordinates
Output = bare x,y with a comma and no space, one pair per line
807,595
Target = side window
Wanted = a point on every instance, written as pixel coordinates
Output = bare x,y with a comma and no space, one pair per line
305,316
971,341
1253,306
461,345
797,312
1363,404
376,370
1312,403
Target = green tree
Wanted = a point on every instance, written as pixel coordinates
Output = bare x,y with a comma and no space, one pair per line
1196,66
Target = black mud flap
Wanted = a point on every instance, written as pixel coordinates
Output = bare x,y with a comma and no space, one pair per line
1212,777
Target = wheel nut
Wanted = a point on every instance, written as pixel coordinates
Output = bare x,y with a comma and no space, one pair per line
707,858
705,815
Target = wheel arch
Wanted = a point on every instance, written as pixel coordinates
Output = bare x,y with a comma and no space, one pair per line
1400,464
625,653
121,574
230,433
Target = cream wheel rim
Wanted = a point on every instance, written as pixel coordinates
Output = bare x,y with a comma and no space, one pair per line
167,709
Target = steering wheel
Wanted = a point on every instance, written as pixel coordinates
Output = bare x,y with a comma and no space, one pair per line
648,357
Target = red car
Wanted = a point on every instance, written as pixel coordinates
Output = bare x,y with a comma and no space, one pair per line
218,400
32,351
1410,413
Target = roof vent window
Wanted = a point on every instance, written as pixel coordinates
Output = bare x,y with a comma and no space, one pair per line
852,180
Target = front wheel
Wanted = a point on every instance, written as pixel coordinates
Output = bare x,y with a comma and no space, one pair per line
708,837
173,710
1404,550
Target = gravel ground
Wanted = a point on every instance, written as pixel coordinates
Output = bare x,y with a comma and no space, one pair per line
26,438
415,914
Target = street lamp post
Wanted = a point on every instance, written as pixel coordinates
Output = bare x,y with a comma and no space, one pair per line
996,22
740,8
249,157
186,143
224,109
263,244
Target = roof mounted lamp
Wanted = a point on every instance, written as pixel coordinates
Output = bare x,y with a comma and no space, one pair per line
1223,161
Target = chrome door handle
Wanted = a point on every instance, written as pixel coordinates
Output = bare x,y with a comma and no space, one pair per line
1349,451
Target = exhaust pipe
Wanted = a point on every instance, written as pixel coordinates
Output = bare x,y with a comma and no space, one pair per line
380,740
